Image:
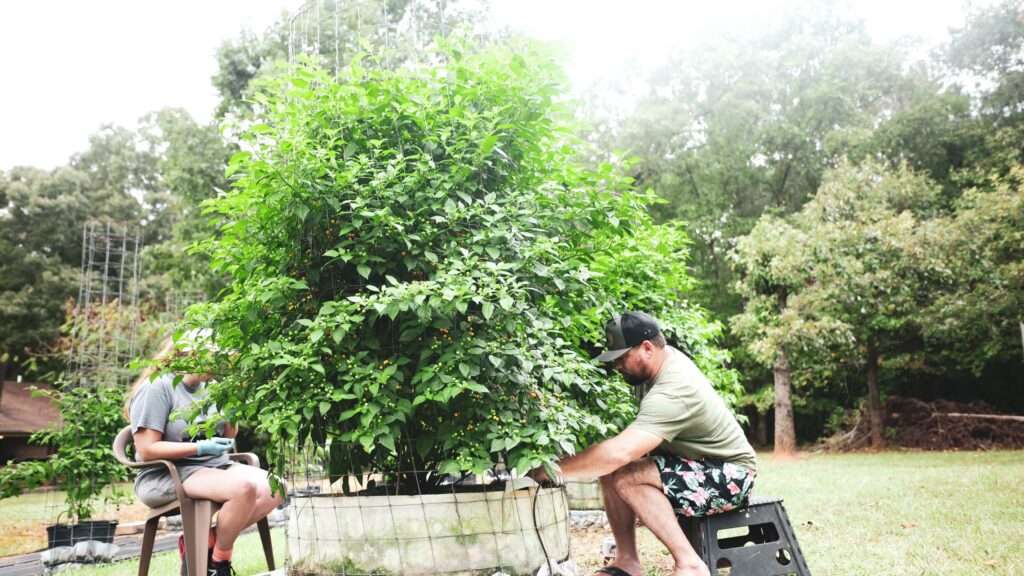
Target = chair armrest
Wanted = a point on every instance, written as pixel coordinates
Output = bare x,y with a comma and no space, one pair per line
171,469
246,458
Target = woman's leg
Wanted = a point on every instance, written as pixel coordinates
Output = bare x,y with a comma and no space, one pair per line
244,493
265,500
237,498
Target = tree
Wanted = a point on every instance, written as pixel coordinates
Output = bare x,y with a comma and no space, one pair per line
849,274
420,267
41,239
241,60
781,323
975,318
190,160
117,173
748,124
989,49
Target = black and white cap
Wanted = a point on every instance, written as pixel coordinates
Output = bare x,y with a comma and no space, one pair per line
626,331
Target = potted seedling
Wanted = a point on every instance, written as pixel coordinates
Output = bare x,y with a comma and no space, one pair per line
81,465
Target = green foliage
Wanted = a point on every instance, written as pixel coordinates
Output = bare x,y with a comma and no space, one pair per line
774,263
975,316
748,123
872,247
990,46
41,239
421,268
81,465
190,160
846,276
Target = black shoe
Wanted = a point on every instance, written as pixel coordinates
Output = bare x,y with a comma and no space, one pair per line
222,568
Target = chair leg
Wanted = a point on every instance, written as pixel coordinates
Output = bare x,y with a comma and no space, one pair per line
148,539
201,534
195,523
268,547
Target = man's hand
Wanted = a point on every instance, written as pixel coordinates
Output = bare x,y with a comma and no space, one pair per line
538,475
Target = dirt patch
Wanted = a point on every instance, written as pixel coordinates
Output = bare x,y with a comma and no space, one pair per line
938,425
587,547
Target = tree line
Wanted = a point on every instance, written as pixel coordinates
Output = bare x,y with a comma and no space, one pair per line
854,208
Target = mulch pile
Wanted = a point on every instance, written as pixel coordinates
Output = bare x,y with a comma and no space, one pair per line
938,425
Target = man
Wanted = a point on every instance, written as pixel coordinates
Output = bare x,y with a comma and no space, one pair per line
702,463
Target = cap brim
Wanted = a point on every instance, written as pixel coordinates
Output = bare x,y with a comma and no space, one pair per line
611,355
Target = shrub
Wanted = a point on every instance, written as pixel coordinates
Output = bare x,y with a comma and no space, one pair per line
422,268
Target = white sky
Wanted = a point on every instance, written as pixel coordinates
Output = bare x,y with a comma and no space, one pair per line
68,66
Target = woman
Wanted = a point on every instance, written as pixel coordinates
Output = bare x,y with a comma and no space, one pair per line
205,470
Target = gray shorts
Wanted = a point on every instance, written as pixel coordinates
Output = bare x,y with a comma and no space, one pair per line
156,488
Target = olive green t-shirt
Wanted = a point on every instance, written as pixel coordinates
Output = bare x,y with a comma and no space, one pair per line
683,409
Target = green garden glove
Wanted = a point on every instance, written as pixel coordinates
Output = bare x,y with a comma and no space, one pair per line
214,446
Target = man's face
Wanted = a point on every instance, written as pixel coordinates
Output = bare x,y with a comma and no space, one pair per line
635,365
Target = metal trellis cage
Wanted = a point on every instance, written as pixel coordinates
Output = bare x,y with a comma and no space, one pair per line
102,345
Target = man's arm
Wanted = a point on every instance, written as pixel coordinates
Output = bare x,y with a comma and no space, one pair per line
605,457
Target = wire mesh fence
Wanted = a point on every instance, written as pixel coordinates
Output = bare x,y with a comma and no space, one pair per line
333,32
104,320
103,339
396,517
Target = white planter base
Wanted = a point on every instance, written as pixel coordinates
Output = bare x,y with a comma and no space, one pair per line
457,534
584,494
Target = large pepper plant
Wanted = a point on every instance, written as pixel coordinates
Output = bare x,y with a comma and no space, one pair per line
423,268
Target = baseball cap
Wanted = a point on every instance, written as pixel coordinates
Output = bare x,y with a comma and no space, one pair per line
626,331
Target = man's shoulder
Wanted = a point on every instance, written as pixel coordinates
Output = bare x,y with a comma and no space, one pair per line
678,367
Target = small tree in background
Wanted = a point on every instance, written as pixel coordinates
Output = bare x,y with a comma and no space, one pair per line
422,269
782,324
976,318
874,261
844,279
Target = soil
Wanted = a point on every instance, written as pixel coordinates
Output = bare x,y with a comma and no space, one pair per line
912,423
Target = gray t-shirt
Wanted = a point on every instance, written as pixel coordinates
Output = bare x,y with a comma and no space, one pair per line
152,407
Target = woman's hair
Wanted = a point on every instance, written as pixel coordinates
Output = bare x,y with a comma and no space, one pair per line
165,349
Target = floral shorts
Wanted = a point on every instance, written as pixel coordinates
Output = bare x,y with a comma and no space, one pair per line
705,486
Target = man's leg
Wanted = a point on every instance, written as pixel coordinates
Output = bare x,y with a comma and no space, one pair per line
639,486
623,523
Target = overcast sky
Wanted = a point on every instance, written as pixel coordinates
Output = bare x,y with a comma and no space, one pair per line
69,66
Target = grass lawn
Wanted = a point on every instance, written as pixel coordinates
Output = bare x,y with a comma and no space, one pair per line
23,520
892,513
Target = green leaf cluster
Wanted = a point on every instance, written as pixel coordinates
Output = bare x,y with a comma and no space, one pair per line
422,270
81,465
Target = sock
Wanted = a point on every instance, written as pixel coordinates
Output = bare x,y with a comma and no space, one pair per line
222,555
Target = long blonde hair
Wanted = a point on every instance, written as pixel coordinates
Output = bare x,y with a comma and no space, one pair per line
165,349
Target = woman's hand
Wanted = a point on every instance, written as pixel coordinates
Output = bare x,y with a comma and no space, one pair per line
149,446
214,446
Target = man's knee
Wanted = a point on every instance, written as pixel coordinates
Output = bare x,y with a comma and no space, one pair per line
635,473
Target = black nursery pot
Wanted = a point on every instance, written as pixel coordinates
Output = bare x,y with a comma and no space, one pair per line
69,535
